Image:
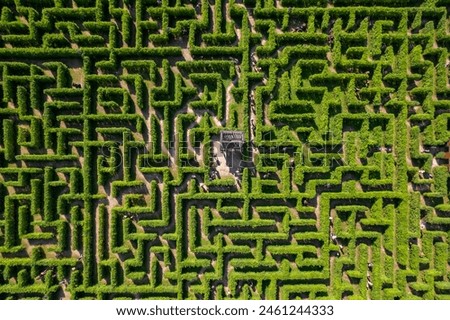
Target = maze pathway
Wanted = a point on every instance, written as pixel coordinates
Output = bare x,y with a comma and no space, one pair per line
117,180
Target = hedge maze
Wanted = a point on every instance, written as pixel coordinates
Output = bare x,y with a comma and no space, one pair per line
116,182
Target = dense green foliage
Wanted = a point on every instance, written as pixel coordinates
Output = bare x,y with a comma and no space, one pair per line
113,183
